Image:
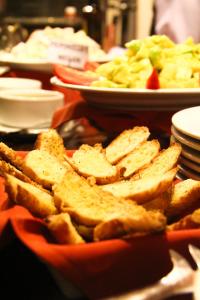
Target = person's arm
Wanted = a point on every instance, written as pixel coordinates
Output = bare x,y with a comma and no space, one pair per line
178,19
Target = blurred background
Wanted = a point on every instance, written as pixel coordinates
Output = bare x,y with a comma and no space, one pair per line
109,22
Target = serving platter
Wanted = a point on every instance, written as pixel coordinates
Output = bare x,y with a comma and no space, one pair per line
135,99
27,64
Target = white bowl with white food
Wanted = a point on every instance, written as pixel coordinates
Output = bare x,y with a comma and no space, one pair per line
29,108
19,83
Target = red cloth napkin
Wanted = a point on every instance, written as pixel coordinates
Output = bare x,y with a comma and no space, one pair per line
97,269
110,120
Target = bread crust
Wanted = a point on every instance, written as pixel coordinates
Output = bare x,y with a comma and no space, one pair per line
166,160
39,202
125,142
51,142
92,162
144,189
63,230
139,158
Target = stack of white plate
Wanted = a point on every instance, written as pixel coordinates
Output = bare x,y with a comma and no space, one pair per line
186,131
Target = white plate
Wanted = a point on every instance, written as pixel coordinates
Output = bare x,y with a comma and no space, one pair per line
188,163
188,121
185,140
6,129
26,64
7,83
3,70
188,152
135,99
188,172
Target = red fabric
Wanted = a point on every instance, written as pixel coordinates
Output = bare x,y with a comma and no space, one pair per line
98,269
111,121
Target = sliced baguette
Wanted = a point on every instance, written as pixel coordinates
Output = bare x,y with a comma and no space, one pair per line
125,143
7,168
188,222
38,202
51,142
165,161
160,203
43,168
89,205
139,158
10,156
91,162
118,227
63,230
184,195
142,190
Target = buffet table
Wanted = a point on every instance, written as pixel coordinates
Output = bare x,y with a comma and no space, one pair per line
99,269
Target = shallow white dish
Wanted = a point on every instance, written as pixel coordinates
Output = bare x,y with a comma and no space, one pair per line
188,121
135,99
4,69
188,172
28,64
28,108
19,83
185,140
190,164
6,130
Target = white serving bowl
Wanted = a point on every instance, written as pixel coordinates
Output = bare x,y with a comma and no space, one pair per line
29,108
19,83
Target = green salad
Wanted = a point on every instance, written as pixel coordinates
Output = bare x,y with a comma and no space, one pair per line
177,65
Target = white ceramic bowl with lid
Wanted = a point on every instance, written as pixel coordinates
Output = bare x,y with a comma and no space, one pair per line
29,108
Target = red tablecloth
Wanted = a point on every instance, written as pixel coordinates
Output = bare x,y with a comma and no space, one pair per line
98,269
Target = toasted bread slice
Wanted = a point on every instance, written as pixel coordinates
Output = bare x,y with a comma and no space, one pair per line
165,161
43,168
51,142
91,161
139,158
6,168
63,230
118,227
188,222
38,202
10,156
89,205
85,231
160,203
184,195
125,142
142,190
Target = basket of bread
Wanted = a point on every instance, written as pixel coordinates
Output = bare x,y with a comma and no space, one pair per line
101,218
128,188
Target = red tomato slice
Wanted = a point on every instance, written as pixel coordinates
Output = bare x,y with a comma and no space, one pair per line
73,76
153,81
91,66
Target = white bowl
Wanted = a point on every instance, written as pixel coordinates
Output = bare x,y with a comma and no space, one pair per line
19,83
29,108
